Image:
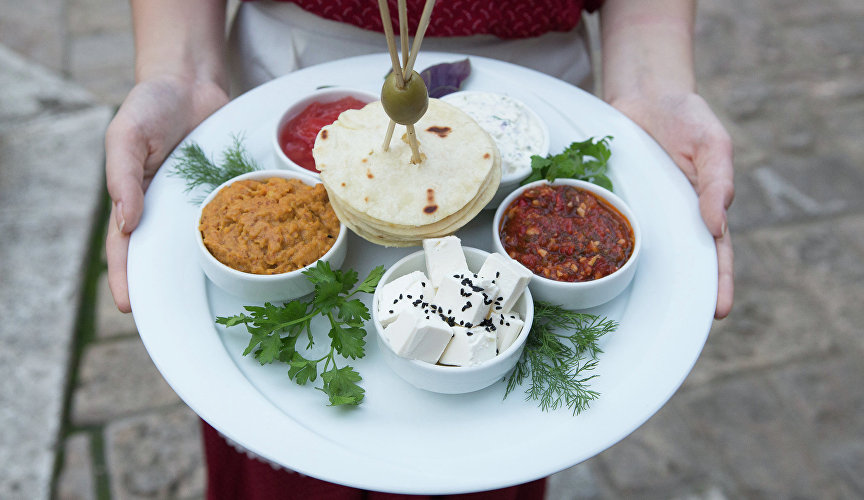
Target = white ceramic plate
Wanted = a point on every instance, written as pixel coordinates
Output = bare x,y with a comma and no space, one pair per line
402,439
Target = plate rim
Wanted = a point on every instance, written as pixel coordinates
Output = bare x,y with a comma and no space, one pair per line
186,390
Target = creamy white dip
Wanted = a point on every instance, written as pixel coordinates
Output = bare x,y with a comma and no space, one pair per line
516,130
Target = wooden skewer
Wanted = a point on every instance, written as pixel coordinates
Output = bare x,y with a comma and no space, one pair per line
389,135
404,71
391,42
415,146
403,32
403,35
394,59
418,37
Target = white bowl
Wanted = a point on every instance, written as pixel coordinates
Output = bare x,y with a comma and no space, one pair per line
265,287
323,95
510,181
584,294
451,379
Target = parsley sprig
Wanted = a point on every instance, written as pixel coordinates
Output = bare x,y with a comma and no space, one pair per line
586,160
276,329
562,347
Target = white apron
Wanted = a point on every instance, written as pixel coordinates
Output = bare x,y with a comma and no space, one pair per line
271,39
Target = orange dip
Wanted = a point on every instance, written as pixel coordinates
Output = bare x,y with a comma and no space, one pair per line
269,227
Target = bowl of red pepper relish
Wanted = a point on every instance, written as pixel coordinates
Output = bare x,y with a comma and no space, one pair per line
299,125
580,240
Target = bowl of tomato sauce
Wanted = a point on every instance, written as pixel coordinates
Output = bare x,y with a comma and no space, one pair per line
581,241
298,126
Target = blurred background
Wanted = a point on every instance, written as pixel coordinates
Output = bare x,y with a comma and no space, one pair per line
774,408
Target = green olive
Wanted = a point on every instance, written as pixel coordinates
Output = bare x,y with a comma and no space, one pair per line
406,105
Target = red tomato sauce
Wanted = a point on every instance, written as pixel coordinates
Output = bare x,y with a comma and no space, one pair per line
566,234
297,137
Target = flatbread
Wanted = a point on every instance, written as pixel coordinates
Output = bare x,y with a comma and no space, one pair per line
444,226
461,167
390,238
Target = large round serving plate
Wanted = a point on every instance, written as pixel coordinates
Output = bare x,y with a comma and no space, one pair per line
402,439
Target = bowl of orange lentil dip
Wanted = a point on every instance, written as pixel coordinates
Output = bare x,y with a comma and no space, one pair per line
258,232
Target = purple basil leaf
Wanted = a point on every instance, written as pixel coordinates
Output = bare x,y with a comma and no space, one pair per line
445,78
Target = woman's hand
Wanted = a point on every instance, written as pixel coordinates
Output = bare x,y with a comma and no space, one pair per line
648,75
156,115
688,130
181,80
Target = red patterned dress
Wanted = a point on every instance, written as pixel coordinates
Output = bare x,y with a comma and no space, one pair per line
502,18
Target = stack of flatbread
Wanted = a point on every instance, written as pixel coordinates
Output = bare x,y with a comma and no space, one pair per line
388,200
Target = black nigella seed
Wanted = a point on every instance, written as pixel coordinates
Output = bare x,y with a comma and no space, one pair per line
423,284
497,274
395,301
391,311
466,306
408,296
508,324
469,333
498,308
400,296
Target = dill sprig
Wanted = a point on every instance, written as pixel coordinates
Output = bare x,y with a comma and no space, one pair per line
199,171
561,348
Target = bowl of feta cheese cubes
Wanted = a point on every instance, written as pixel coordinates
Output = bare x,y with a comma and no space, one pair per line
453,319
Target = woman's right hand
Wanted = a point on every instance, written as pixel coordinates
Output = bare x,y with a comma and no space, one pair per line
156,115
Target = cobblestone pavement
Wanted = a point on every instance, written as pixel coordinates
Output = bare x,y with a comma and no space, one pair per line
775,405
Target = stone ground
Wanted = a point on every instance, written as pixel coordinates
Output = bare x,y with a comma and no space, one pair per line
773,408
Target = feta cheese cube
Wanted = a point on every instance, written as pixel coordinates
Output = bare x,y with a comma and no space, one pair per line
507,328
465,299
413,336
401,293
511,278
469,346
444,257
391,291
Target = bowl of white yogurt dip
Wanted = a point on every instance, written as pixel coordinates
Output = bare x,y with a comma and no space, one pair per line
517,130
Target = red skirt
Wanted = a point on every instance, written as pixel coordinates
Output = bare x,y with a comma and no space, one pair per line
232,475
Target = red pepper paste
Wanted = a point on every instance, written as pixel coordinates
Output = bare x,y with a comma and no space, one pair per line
297,137
566,234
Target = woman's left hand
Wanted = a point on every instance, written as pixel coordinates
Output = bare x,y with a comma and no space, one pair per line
684,125
648,75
